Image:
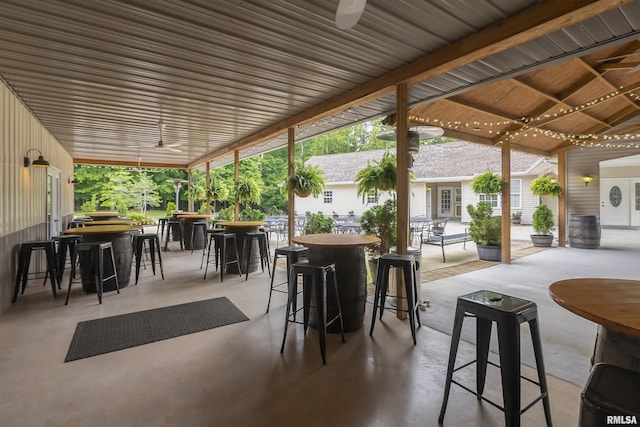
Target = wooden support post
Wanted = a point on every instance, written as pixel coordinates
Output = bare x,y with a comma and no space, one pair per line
207,177
562,199
402,175
291,140
189,191
236,181
506,202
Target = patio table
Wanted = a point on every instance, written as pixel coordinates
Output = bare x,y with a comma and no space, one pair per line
611,303
346,251
120,238
187,221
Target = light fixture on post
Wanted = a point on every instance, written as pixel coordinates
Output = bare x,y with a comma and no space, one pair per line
40,162
72,180
587,179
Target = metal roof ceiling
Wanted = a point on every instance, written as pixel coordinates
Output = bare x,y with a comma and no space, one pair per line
227,75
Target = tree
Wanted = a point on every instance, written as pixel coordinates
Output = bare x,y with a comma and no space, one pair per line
147,191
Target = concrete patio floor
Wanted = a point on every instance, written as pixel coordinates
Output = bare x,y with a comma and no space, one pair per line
235,375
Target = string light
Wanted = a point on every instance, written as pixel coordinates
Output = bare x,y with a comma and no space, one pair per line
527,126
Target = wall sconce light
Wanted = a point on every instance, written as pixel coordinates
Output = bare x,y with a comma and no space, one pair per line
40,162
587,179
72,180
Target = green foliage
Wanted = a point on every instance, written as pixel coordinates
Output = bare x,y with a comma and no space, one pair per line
516,215
142,219
542,220
487,183
306,180
218,189
317,223
122,208
545,186
226,213
171,206
484,229
248,190
91,205
378,176
380,221
249,214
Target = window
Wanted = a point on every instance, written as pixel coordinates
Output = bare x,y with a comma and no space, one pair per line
493,198
372,198
327,196
516,194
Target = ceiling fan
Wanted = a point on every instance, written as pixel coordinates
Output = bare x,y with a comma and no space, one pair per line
349,12
161,145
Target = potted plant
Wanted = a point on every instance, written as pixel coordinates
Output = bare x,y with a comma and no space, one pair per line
380,221
516,217
248,190
545,186
485,229
217,190
378,176
542,226
307,180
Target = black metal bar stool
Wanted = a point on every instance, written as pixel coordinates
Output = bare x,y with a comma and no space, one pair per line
261,238
508,312
199,227
92,263
408,265
293,255
174,227
220,240
162,223
210,231
24,260
139,243
66,243
314,281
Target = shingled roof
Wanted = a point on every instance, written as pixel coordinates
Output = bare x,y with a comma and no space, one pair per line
456,159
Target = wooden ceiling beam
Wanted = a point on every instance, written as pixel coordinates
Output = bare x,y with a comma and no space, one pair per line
532,23
97,162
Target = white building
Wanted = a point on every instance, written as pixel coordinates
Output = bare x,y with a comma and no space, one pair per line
442,184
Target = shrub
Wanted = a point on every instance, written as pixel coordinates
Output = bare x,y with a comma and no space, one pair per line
484,229
317,223
142,219
250,214
380,221
542,220
171,206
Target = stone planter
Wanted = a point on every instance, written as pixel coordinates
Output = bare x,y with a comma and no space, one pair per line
489,253
542,240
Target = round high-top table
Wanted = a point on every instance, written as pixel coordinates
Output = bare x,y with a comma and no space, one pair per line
241,228
346,251
120,238
103,215
110,222
187,228
614,304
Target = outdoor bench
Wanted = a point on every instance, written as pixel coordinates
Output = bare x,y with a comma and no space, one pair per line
444,240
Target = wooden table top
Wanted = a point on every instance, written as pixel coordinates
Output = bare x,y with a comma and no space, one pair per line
241,223
104,214
102,229
194,216
612,303
338,240
110,222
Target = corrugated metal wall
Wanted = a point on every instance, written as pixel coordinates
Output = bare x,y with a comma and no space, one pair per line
23,191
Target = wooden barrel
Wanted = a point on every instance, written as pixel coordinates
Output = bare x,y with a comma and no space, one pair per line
123,255
351,271
584,231
241,234
617,349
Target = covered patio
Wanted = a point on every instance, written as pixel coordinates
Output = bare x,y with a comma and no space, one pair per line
87,83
